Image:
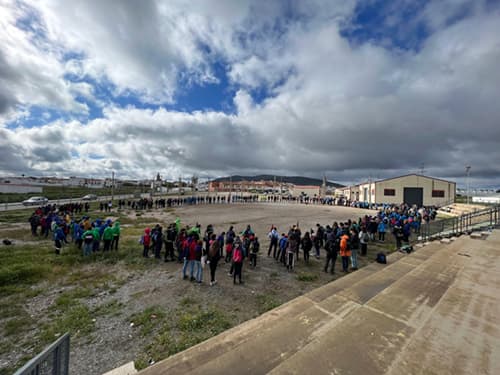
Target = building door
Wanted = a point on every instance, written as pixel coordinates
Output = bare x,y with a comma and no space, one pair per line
365,194
413,196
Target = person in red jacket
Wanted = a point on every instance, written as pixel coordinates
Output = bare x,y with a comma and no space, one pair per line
191,257
146,242
237,262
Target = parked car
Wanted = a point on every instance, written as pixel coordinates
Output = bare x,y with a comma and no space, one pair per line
89,197
36,201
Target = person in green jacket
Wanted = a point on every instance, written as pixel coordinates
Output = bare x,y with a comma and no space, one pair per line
107,237
88,241
97,239
116,235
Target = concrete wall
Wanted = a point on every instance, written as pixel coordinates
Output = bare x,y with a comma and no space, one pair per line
367,193
427,183
17,188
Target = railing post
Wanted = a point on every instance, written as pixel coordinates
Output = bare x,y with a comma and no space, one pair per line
56,369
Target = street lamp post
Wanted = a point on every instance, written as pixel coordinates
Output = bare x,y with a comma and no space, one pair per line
467,171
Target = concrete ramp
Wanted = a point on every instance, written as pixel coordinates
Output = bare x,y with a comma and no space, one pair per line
436,311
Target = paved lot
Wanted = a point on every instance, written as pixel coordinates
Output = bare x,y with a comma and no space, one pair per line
433,312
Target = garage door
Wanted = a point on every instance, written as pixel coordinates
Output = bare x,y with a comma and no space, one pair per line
414,196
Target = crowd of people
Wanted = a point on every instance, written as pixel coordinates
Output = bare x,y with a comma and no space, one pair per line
188,246
345,240
65,227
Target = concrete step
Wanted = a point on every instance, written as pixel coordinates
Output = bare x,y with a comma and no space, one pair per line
190,359
366,342
356,324
377,330
462,335
126,369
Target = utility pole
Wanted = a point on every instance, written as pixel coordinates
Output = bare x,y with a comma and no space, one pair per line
422,169
467,172
112,185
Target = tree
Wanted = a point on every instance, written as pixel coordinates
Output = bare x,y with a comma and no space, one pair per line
194,182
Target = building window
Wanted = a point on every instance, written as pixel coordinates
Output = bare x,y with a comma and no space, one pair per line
438,194
389,192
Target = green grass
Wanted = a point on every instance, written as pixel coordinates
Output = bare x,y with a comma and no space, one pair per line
76,319
187,326
15,216
266,302
112,308
148,319
20,324
307,277
59,192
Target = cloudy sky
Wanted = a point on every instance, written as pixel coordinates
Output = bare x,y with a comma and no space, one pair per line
353,89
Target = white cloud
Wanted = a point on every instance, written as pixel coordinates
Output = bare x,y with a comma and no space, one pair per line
30,71
351,110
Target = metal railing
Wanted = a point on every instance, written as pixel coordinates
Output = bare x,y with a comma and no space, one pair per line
54,360
487,218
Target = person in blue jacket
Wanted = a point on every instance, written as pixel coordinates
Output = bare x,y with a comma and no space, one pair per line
381,230
59,239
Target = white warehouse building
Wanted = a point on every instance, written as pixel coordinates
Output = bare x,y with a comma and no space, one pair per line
411,189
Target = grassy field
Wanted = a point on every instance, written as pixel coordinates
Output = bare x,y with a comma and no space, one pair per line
66,192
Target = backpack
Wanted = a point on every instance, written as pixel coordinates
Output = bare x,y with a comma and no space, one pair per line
214,249
329,246
255,247
406,249
366,237
381,258
89,238
237,256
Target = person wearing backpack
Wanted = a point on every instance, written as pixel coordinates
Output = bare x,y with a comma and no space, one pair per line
291,247
88,240
363,240
77,235
158,241
97,239
116,235
169,243
229,252
273,244
237,262
198,261
146,242
283,243
59,239
213,257
345,252
331,254
107,237
307,245
254,249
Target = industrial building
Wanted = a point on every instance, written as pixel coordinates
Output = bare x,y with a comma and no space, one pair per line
411,189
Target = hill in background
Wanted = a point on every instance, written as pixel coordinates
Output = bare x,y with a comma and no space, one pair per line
296,180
